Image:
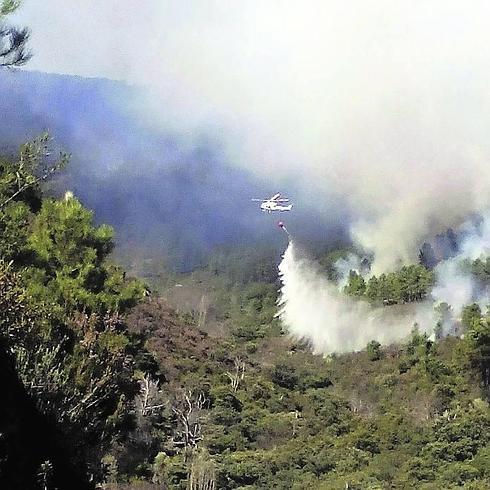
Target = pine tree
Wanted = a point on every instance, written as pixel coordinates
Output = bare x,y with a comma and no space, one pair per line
13,40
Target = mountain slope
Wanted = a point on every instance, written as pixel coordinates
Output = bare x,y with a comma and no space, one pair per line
171,197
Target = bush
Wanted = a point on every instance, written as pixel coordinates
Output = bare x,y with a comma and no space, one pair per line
374,350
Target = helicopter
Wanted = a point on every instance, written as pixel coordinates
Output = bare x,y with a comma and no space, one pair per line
274,203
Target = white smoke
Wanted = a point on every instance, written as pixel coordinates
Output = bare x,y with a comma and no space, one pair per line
455,284
313,309
379,107
344,266
476,239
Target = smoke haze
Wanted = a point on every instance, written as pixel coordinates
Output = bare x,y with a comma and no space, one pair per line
313,309
454,284
172,198
379,108
375,113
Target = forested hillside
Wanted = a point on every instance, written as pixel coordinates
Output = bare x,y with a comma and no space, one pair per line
183,376
171,201
109,386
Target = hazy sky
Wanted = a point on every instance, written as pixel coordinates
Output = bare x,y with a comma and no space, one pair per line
384,103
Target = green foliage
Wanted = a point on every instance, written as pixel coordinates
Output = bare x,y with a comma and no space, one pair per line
477,342
148,397
84,386
20,179
373,288
471,316
8,7
13,41
161,469
356,285
285,376
79,375
202,474
20,195
14,223
374,350
328,260
243,266
58,301
411,283
16,318
480,269
70,268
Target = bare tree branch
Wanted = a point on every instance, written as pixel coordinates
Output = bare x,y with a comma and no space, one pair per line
188,410
237,376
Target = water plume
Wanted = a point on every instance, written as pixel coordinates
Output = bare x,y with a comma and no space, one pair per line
313,309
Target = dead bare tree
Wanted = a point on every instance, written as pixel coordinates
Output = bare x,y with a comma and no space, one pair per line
295,415
189,413
237,376
149,398
203,311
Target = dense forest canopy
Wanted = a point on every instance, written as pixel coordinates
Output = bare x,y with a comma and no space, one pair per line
193,383
127,391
